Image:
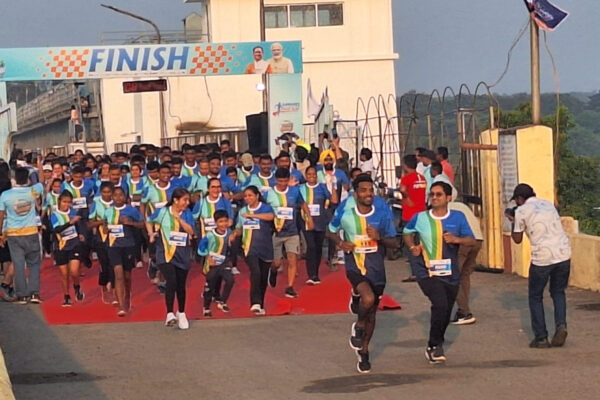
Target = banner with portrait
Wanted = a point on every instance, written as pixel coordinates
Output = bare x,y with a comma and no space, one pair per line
285,108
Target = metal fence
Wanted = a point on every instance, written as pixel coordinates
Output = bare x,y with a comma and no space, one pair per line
237,138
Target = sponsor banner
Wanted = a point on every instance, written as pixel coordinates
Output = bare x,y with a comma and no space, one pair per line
546,15
285,107
190,59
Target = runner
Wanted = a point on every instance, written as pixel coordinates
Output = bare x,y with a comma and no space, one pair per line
366,229
122,220
435,261
214,248
264,178
205,209
255,226
172,227
66,226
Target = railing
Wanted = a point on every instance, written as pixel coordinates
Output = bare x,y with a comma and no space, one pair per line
124,147
237,138
48,107
60,151
143,37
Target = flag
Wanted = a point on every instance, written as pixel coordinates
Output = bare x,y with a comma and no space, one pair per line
312,106
546,15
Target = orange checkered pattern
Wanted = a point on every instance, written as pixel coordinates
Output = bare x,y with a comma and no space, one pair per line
210,60
66,64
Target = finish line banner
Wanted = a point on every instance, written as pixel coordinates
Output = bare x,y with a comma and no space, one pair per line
190,59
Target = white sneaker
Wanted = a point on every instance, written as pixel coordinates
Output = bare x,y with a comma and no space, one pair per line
94,256
171,319
182,321
255,308
235,271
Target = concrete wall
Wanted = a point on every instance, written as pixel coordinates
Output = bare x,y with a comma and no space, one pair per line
5,386
585,262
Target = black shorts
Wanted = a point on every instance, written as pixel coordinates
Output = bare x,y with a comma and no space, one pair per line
356,278
5,254
125,256
62,257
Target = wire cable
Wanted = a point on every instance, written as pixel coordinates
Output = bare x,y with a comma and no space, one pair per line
510,50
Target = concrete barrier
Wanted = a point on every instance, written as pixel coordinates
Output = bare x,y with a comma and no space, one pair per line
6,392
585,261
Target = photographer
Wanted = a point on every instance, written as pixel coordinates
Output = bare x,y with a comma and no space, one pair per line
550,260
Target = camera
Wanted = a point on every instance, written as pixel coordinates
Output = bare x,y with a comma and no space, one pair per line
510,211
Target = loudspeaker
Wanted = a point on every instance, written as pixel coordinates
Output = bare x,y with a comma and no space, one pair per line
257,126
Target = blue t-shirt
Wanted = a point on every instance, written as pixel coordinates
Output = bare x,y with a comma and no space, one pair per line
205,211
120,235
170,234
214,245
68,238
97,211
262,183
431,230
286,206
19,206
317,198
367,258
181,181
82,195
257,235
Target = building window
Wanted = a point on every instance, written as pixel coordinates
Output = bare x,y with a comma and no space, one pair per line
303,16
330,14
276,17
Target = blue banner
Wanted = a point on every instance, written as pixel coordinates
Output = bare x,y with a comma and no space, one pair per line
285,108
546,15
190,59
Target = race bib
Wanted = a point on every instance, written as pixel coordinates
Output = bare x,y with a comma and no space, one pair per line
264,189
135,204
79,203
69,233
116,231
178,239
160,205
286,213
315,210
364,244
440,267
219,259
38,220
209,224
251,224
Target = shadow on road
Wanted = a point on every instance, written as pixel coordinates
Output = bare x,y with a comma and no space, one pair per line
356,384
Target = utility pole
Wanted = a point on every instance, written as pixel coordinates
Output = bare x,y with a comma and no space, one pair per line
161,99
535,73
263,37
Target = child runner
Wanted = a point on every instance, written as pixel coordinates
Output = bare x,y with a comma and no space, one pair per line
255,226
214,247
67,249
122,220
106,278
172,227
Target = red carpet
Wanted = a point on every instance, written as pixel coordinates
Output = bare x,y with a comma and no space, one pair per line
148,305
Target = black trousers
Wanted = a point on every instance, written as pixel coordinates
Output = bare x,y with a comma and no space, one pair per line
442,296
107,273
235,250
212,288
314,252
175,279
259,274
46,235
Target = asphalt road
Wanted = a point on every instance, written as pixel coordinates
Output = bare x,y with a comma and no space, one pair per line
302,357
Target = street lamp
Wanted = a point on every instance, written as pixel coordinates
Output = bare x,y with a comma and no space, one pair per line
161,99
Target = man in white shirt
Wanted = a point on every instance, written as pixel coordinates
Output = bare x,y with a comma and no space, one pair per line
438,175
278,63
550,260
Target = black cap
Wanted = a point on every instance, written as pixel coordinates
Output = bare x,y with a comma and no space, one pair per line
523,190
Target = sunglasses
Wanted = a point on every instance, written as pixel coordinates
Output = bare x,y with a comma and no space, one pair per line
437,194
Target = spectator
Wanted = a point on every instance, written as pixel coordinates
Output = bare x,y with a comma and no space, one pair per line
442,157
438,175
366,162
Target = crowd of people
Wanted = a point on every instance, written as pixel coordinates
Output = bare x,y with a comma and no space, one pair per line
208,205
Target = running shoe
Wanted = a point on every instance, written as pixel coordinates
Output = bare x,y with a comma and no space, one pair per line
363,366
79,295
357,334
291,293
207,313
22,300
223,307
235,271
5,294
67,301
162,287
354,302
171,319
255,309
272,277
435,354
558,340
463,319
317,280
121,313
540,344
310,281
182,321
35,299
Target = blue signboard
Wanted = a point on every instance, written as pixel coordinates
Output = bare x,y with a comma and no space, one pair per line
190,59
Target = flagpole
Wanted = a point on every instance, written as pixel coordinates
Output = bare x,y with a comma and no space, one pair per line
535,73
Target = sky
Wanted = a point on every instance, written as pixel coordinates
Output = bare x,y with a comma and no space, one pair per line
440,42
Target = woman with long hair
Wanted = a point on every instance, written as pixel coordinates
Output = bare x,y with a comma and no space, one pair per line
255,226
172,228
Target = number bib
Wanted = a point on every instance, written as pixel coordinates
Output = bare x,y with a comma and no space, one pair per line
251,224
116,231
178,239
315,210
160,205
440,267
38,220
79,203
209,224
264,189
286,213
364,244
219,259
69,233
